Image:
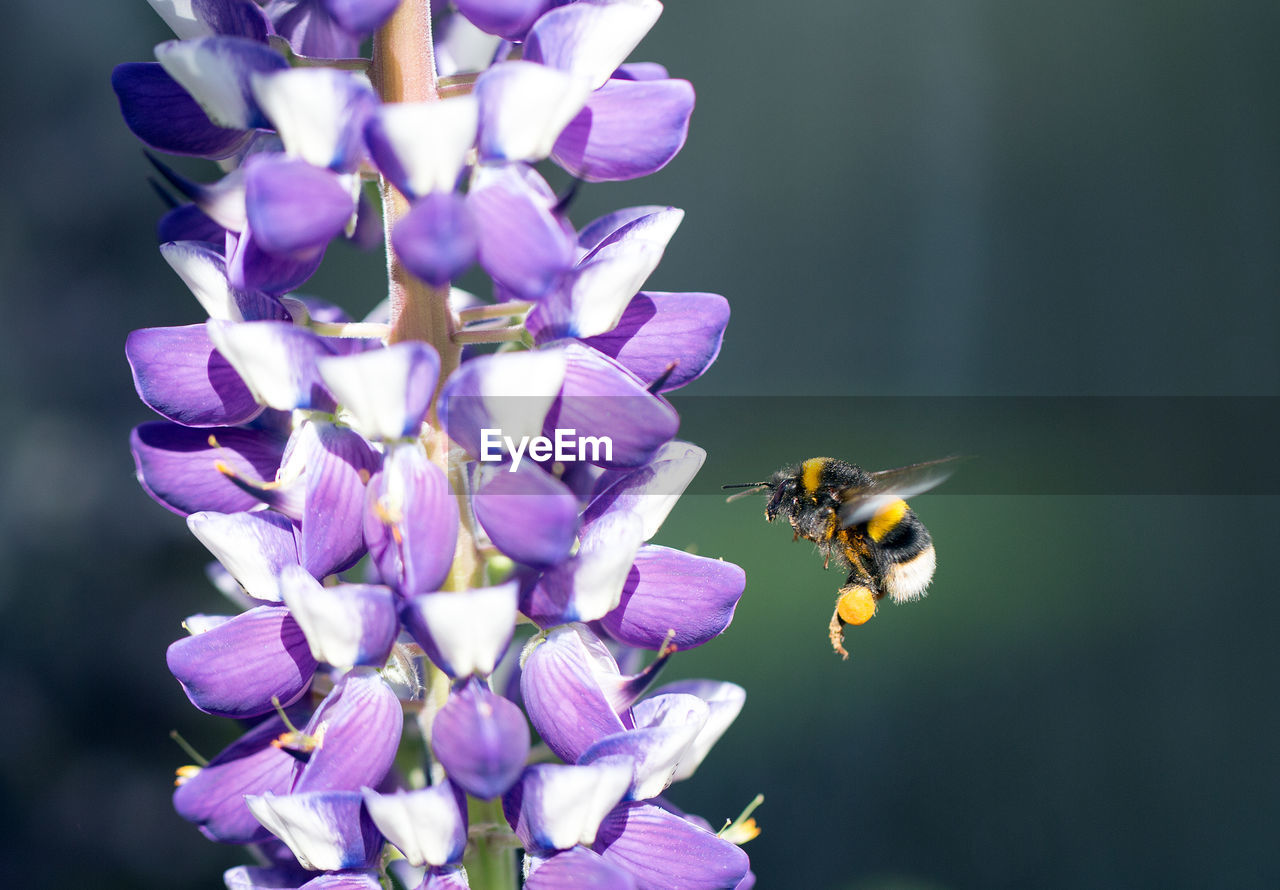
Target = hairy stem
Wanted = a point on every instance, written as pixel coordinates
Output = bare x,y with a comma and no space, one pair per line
404,70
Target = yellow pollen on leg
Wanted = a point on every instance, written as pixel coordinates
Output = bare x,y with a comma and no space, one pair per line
856,605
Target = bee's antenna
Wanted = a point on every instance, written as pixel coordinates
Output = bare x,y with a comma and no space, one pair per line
751,488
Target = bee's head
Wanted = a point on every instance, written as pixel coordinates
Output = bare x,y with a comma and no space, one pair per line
783,488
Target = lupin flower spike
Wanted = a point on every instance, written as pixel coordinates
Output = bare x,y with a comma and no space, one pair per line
421,573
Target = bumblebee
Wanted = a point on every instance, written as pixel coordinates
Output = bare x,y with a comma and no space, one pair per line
862,520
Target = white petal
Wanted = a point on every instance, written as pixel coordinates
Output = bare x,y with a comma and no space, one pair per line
253,547
524,107
470,629
178,15
309,830
424,825
592,38
205,272
653,490
331,622
519,388
310,107
431,139
212,70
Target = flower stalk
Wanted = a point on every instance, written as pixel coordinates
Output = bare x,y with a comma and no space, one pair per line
404,70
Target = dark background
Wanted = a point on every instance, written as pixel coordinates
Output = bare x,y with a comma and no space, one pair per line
900,199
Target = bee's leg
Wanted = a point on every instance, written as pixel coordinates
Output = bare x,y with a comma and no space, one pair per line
855,604
835,631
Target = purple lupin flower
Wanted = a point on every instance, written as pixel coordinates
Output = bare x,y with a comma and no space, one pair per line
433,549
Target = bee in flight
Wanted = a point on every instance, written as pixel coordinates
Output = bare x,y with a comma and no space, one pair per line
861,519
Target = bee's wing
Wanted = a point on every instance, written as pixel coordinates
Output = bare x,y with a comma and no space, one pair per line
887,486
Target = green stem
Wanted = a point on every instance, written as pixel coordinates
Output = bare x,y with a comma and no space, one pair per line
490,860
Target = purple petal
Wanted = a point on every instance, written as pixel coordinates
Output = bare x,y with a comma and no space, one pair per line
611,225
566,702
253,547
276,360
656,227
347,880
188,222
641,71
508,392
162,114
591,38
217,72
465,632
346,624
665,732
294,206
522,243
230,18
436,240
367,233
592,299
481,740
311,31
554,807
428,826
319,113
528,514
337,464
578,869
661,849
236,668
222,201
659,332
202,18
523,108
509,19
256,877
724,702
360,16
650,491
422,146
213,799
411,521
326,830
250,267
449,877
361,721
180,376
601,399
590,584
673,591
180,466
386,391
628,129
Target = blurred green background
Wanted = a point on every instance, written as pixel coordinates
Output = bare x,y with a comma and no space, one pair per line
900,199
